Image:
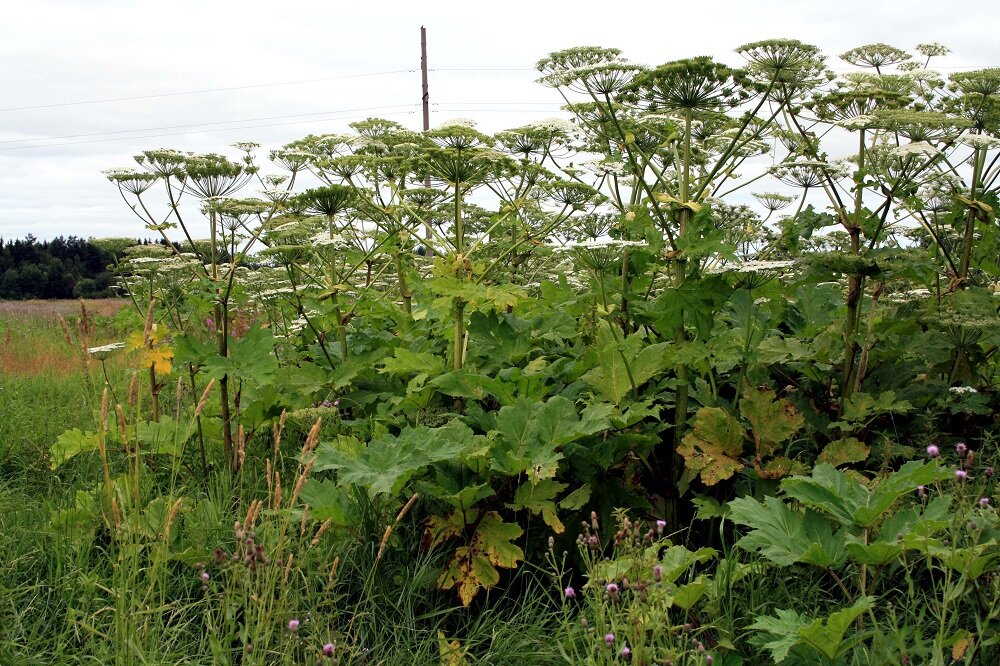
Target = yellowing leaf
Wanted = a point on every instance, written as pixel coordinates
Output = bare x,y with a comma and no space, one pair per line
843,451
474,567
452,653
160,358
772,421
714,448
960,647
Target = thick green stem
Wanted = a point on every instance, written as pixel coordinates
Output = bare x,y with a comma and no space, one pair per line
223,351
747,339
341,327
154,393
458,356
970,219
681,400
404,289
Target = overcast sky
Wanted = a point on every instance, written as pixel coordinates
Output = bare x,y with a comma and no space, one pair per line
88,84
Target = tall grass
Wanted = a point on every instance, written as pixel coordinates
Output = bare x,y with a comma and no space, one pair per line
152,579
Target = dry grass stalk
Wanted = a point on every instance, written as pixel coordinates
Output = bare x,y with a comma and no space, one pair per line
277,429
170,518
122,427
312,439
319,533
116,514
305,519
65,331
133,391
276,497
204,398
389,528
179,394
333,569
241,446
288,568
301,481
252,512
147,329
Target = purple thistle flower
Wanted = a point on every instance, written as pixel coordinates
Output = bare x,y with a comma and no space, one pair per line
657,573
336,403
961,448
569,592
626,652
961,474
609,638
327,403
328,650
205,576
984,502
708,660
611,589
293,625
933,451
660,524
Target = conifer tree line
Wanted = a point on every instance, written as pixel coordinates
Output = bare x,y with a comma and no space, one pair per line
64,267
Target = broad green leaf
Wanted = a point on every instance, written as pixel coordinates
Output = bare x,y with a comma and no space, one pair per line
538,499
782,632
828,636
695,303
774,349
829,491
404,361
611,375
530,435
849,501
577,499
449,488
389,462
69,444
903,481
787,536
499,337
714,447
463,384
251,357
686,596
787,629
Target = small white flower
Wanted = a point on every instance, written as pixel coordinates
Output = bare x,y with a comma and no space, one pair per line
961,390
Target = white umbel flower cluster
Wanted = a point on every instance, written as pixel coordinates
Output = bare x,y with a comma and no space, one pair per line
980,141
915,149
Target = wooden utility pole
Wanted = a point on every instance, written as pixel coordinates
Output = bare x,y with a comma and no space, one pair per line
426,103
423,76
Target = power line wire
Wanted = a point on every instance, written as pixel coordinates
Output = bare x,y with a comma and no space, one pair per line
206,124
199,92
222,129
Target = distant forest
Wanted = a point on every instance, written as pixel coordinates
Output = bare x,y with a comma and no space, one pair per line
59,268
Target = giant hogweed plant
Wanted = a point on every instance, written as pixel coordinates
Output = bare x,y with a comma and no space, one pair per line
516,312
